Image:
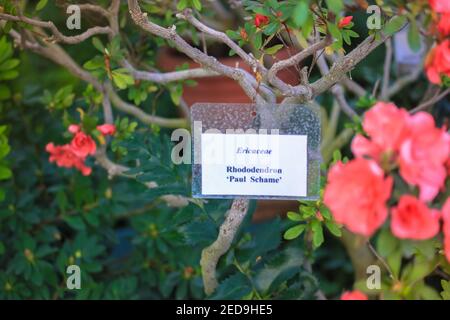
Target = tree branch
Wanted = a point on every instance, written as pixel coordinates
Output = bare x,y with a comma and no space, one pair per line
211,255
57,35
386,69
198,56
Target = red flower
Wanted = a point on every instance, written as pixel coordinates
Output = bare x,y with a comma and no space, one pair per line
357,193
64,156
244,34
260,20
354,295
107,129
74,128
83,145
440,6
423,156
387,127
444,24
345,21
446,228
437,62
412,219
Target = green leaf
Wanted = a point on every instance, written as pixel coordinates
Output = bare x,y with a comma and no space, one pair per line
386,243
335,5
294,216
414,36
122,79
41,4
279,269
273,50
9,64
317,231
258,40
197,4
2,248
301,13
98,44
182,4
5,92
5,173
76,222
445,293
394,25
333,228
234,287
294,232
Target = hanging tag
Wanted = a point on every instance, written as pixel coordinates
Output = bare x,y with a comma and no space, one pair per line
258,152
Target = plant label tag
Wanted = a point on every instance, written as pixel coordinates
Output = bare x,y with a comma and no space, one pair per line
254,164
255,151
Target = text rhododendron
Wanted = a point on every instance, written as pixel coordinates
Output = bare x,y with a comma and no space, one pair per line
74,154
412,219
356,195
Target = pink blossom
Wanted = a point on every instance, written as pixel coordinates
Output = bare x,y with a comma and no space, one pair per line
357,193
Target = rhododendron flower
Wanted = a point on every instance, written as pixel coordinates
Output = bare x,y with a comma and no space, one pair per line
64,156
440,6
354,295
444,24
260,20
446,228
244,34
345,21
437,62
357,193
387,127
412,219
74,128
83,145
423,156
107,129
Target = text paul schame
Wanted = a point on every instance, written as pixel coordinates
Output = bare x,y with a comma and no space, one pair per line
239,174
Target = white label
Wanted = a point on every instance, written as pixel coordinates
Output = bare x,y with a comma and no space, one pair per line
254,164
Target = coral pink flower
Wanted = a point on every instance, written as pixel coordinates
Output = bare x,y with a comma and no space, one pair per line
446,228
260,20
107,129
74,128
357,193
353,295
440,6
437,62
345,21
423,156
387,127
444,24
83,145
64,156
412,219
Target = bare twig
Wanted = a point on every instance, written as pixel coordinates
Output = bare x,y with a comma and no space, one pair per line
57,35
431,101
386,69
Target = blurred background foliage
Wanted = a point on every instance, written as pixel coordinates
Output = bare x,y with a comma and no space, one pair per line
128,243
